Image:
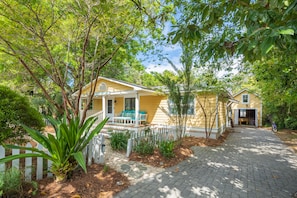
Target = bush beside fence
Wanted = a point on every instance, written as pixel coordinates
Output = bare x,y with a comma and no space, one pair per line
34,168
156,134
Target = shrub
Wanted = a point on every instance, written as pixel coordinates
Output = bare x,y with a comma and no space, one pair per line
166,149
14,111
291,123
145,147
65,148
10,183
119,141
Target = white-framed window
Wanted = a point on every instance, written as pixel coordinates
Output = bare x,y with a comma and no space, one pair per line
173,110
129,103
102,87
245,99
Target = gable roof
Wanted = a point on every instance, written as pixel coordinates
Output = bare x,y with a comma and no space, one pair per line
131,85
247,90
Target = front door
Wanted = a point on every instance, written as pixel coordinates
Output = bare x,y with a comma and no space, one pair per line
109,108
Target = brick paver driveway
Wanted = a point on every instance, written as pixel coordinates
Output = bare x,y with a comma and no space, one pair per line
252,163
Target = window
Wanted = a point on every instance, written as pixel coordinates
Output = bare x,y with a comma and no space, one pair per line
102,87
109,106
245,98
242,113
129,103
172,107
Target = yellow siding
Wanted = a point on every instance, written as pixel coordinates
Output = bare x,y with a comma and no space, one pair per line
156,108
254,103
222,114
158,113
111,87
119,105
97,104
208,103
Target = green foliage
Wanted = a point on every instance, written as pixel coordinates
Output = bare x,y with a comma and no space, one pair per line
166,148
253,29
145,147
105,168
60,47
291,123
65,147
119,140
10,182
14,111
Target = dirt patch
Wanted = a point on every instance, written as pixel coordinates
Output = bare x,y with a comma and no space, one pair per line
102,181
289,137
99,181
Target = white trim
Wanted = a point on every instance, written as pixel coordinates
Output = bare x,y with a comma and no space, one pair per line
248,99
236,117
243,90
103,106
137,102
135,87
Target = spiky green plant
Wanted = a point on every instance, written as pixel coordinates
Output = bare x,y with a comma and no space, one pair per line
65,148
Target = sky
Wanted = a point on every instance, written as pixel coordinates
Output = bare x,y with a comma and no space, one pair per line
172,53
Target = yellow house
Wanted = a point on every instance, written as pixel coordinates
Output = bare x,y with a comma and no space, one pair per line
248,111
131,105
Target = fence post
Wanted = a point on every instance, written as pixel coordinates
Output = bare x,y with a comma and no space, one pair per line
90,152
28,165
49,165
2,155
39,168
96,151
101,147
16,162
129,147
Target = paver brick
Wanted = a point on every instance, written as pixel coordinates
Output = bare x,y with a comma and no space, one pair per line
251,163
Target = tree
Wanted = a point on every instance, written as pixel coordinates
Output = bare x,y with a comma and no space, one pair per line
14,111
63,45
180,90
256,31
277,79
224,28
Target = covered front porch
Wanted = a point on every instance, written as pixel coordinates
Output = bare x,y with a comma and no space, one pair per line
121,107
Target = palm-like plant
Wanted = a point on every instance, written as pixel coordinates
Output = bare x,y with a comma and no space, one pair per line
65,148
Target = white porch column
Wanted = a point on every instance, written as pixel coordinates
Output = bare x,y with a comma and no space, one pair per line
136,109
104,106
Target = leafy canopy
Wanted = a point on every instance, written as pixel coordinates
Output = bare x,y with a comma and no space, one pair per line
14,111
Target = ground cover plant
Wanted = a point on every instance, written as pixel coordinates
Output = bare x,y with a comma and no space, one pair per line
119,140
13,184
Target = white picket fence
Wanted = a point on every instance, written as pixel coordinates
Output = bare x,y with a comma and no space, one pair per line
156,134
93,152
